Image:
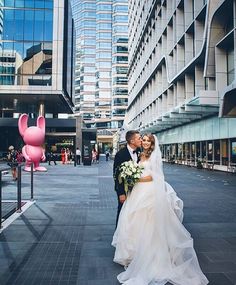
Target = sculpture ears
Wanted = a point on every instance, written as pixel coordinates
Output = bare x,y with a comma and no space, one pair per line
41,123
23,124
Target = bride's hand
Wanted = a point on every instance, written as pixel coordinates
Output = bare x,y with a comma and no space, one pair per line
122,198
146,179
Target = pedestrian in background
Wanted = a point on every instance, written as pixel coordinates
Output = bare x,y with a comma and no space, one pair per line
12,161
97,156
94,155
51,157
78,156
19,157
63,154
107,155
67,156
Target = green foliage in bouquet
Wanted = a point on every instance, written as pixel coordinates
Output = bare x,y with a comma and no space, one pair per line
130,173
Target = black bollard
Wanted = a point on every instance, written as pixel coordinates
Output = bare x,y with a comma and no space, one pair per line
32,181
19,189
0,199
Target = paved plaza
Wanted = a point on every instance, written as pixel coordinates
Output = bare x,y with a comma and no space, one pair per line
65,237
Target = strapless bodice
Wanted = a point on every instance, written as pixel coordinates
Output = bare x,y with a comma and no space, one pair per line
146,167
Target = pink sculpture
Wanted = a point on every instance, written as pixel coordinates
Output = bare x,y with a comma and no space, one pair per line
33,138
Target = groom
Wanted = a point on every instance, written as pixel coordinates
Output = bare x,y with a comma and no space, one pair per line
127,153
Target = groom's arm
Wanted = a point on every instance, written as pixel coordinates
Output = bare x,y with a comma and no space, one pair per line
119,188
116,165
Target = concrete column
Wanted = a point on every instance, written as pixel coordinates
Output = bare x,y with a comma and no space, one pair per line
199,80
199,31
180,57
79,125
188,12
220,152
200,151
189,47
170,99
164,103
164,77
42,109
179,22
189,86
180,92
221,68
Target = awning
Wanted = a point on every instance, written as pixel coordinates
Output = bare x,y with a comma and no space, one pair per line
206,104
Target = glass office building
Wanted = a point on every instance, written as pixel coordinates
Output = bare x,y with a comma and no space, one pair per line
119,63
181,65
36,62
84,14
103,64
101,80
36,57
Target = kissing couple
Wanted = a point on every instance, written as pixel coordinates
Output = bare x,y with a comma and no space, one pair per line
150,240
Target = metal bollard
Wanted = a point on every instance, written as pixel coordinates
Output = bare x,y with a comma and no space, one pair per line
0,199
32,181
18,189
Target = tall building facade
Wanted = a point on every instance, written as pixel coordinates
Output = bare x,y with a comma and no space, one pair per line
102,59
84,14
36,57
181,64
36,60
119,62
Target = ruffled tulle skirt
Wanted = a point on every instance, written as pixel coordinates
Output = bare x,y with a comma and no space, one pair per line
151,241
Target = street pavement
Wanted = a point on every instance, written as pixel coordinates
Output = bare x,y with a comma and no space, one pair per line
65,237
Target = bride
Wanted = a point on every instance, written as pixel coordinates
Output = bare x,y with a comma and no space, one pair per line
150,240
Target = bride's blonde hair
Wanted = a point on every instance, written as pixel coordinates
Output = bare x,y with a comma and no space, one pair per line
148,153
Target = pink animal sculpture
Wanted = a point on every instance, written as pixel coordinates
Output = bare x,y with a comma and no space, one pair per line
33,138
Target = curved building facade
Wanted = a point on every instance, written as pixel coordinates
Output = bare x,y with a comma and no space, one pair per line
181,65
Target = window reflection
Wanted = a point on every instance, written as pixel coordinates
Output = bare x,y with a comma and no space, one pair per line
19,3
29,25
19,24
8,27
9,3
26,42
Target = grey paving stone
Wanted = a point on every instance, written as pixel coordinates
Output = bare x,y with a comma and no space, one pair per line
231,277
65,238
218,279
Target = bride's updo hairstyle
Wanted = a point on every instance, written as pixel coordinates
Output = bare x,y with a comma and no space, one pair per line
148,153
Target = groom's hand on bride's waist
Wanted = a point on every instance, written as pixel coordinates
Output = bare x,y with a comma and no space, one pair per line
122,198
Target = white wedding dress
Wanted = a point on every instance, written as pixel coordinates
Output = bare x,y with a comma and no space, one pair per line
150,239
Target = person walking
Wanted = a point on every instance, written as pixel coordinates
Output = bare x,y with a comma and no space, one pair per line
78,156
107,155
51,157
63,155
97,156
94,155
12,161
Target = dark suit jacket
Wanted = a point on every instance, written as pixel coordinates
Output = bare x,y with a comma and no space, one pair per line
121,156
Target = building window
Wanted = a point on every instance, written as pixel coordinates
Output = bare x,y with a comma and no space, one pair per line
26,43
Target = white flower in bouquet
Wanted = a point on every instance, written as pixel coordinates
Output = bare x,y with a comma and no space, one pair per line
130,172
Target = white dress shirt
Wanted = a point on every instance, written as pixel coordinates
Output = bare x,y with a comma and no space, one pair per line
134,156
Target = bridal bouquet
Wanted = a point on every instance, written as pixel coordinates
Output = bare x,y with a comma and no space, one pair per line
130,172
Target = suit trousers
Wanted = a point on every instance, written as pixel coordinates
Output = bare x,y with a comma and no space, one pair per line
118,209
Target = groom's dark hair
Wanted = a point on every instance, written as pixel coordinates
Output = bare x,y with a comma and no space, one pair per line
129,135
